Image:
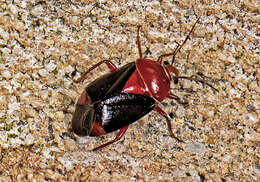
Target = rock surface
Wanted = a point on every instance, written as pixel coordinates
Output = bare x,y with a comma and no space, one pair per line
45,45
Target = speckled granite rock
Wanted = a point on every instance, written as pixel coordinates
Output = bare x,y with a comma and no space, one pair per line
44,46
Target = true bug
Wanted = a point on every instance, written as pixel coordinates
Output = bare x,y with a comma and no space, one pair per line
121,97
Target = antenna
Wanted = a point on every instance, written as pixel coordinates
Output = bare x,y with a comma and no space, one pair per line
180,46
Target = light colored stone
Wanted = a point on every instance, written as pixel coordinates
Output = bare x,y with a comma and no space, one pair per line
43,43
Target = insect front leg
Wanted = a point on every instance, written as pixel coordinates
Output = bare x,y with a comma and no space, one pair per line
109,64
138,43
119,135
175,97
172,96
162,113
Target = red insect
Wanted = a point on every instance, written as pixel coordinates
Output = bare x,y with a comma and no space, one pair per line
126,94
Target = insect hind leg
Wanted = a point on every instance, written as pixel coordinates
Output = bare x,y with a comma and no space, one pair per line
119,135
109,64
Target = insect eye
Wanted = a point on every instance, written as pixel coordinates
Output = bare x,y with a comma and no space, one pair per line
175,79
165,63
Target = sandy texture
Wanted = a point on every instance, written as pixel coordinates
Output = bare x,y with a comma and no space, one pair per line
44,46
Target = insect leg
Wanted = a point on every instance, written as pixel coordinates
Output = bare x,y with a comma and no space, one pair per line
109,64
162,113
119,135
138,42
172,96
175,97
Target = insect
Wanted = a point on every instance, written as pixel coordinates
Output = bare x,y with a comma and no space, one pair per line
121,97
